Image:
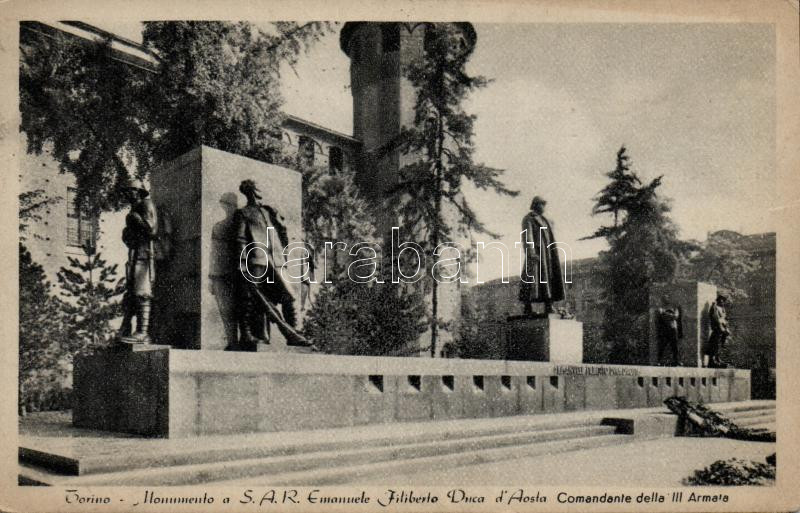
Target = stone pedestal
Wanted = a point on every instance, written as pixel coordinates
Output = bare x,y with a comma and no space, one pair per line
544,339
178,393
199,192
695,299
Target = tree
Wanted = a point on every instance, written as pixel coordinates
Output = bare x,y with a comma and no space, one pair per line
376,319
347,317
643,249
428,191
91,290
41,330
723,261
213,83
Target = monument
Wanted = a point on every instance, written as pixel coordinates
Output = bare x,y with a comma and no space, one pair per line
694,300
546,336
189,385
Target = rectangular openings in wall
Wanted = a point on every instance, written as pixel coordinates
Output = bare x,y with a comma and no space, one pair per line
654,381
505,382
376,383
713,382
531,381
669,381
554,381
703,381
415,383
449,383
477,381
693,382
680,382
640,381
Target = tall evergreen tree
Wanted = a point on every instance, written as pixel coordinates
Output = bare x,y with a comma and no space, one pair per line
91,291
431,203
643,249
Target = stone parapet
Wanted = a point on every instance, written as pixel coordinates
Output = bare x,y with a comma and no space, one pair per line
178,393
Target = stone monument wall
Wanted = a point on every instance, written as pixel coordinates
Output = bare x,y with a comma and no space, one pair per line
199,192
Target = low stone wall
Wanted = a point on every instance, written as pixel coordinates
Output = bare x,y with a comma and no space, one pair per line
179,393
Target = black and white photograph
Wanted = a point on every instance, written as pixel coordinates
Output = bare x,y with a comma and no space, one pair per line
417,257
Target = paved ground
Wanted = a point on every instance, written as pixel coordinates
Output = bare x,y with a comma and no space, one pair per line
663,462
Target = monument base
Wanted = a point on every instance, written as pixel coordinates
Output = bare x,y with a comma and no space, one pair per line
180,393
544,339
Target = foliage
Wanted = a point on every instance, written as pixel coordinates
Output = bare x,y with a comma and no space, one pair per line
333,211
472,339
723,261
213,83
733,472
643,249
218,84
91,290
366,319
431,203
348,317
41,329
85,104
31,203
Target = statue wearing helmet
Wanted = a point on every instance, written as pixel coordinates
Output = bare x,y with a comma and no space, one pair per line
141,227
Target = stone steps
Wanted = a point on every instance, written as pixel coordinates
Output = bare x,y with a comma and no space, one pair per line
755,421
736,408
165,453
350,474
327,461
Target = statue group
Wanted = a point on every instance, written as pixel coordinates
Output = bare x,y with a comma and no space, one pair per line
262,297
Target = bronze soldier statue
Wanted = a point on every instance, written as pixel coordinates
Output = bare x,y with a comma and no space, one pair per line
542,280
260,237
669,330
719,331
141,227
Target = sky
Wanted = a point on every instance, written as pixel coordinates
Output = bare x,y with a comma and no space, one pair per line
692,102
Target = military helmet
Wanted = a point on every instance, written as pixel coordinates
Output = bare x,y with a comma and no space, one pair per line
138,185
538,200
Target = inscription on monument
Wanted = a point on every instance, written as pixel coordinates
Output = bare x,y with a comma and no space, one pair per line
594,370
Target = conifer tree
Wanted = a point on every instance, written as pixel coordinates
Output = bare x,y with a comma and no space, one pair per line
643,249
91,291
431,203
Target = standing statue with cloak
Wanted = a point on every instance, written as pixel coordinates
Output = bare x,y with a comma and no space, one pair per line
542,279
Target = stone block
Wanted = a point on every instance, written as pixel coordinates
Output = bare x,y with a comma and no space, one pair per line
199,192
600,392
631,392
414,398
544,340
574,393
530,394
694,298
553,395
502,395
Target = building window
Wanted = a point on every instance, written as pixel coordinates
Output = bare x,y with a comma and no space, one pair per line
305,148
82,226
391,37
335,159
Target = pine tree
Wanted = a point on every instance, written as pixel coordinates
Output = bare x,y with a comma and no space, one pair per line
91,292
442,135
643,249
